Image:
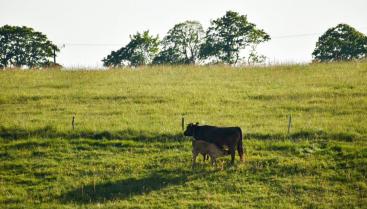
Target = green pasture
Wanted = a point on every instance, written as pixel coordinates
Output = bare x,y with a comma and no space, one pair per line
127,149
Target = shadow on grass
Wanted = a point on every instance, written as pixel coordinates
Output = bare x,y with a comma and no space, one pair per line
127,188
308,135
49,132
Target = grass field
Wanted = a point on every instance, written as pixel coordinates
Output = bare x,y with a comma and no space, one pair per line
127,149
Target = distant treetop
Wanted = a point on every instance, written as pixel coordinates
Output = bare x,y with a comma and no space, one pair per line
342,42
22,46
182,44
230,34
141,50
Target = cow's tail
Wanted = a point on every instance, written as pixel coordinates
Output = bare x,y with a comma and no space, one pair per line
240,146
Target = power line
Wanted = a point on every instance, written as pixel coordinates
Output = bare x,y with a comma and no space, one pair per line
303,35
91,44
295,35
273,37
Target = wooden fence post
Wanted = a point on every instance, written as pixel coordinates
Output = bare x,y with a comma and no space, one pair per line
73,122
289,123
183,123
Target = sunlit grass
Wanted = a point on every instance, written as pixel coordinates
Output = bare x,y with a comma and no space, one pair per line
127,148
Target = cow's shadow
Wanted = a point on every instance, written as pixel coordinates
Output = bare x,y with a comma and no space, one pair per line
127,188
49,132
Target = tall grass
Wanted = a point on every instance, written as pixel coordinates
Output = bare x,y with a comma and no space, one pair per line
127,148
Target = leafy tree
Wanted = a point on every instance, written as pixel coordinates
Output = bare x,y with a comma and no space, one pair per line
182,44
141,50
230,34
253,56
116,58
342,42
22,46
169,56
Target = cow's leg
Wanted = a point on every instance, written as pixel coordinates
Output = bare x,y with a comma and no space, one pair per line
240,149
194,155
233,153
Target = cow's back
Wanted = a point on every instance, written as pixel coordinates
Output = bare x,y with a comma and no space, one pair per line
219,135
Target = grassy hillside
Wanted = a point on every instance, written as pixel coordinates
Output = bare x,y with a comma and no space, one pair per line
127,148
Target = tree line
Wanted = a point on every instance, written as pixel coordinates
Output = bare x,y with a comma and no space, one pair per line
230,39
188,43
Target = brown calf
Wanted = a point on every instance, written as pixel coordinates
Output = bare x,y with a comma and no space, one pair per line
205,148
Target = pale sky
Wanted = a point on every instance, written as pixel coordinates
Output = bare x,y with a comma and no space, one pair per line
91,29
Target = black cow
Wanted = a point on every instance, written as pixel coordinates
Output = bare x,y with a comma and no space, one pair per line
230,137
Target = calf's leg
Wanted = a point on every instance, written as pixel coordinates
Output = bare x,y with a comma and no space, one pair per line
205,157
213,160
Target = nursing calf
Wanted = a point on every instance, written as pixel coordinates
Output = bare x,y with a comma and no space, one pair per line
222,137
205,148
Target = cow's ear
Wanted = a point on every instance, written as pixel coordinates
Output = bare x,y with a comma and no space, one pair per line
197,123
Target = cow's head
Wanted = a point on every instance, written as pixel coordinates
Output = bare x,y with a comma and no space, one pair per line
190,129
